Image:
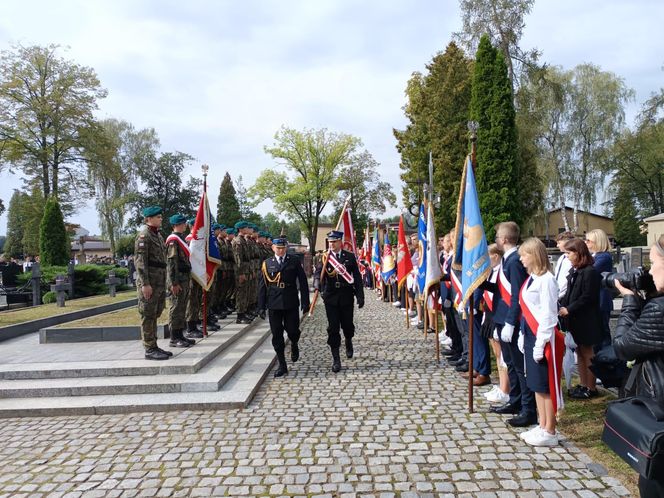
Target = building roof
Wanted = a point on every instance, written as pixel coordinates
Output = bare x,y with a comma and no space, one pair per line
657,217
553,210
92,245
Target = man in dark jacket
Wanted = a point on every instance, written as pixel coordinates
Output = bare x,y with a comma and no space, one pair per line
340,282
277,292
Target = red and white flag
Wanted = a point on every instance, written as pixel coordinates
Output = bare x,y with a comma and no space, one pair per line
345,225
404,263
204,253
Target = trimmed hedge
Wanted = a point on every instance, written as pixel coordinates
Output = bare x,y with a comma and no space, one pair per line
88,279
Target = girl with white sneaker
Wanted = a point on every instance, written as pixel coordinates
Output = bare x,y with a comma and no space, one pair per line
541,341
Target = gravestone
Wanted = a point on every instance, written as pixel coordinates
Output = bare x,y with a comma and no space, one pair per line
36,283
112,281
635,258
60,288
70,279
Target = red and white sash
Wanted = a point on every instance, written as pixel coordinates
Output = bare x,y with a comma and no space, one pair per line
176,238
553,351
457,288
447,283
488,296
505,287
340,268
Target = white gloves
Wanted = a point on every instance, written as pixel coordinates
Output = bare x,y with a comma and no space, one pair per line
496,337
507,333
520,341
538,352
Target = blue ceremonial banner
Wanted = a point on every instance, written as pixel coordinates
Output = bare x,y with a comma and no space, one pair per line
375,257
471,253
422,249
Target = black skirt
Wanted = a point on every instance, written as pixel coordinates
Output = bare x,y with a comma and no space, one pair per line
486,330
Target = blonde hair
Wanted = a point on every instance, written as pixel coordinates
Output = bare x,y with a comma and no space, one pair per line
494,249
535,247
659,245
510,231
600,239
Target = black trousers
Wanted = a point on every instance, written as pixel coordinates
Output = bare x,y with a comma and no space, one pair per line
650,488
339,317
288,320
528,405
452,325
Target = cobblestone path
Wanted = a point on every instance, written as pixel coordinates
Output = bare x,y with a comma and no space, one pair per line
391,423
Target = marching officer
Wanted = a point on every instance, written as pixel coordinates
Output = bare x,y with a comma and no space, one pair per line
178,268
339,280
277,292
150,259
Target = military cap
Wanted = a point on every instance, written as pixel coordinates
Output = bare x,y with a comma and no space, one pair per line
252,226
191,221
231,231
151,211
222,226
177,219
216,226
240,224
335,235
280,242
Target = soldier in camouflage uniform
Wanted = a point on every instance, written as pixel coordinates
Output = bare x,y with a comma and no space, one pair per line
229,294
178,270
242,257
226,257
214,294
255,269
150,260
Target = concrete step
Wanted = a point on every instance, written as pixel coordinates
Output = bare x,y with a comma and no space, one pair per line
237,392
209,378
186,361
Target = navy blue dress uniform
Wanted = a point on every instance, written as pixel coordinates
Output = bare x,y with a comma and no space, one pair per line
339,295
278,294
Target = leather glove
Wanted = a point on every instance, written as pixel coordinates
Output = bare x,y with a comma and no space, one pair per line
261,313
507,333
496,337
360,303
520,341
538,352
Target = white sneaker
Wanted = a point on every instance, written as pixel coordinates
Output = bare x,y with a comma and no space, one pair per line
498,397
531,432
491,391
396,303
445,341
542,438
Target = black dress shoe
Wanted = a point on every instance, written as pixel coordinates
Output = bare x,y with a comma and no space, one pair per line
281,371
449,352
463,367
456,360
167,353
349,349
156,354
523,420
506,409
294,352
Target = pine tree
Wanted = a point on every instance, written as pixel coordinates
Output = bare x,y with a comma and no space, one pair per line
228,207
625,220
54,246
497,168
15,226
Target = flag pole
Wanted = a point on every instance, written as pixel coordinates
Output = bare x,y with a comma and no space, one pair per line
407,306
205,169
435,313
472,127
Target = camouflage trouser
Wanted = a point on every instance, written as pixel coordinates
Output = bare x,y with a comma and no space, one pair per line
242,293
150,310
195,302
228,286
178,308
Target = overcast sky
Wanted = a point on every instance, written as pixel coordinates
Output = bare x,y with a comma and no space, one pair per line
217,78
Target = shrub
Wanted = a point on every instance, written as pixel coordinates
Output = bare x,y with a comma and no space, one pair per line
88,279
51,297
54,247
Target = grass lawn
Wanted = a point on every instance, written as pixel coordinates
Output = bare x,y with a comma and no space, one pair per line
120,318
582,422
46,310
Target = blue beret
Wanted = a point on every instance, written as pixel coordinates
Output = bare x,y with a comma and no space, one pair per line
240,224
280,242
231,231
335,235
222,226
151,211
177,219
191,221
216,226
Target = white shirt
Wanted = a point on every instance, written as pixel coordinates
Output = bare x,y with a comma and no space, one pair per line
541,297
563,266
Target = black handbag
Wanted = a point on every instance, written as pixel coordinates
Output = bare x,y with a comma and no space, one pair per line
634,430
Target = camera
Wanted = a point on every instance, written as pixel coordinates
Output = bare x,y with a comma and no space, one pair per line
636,280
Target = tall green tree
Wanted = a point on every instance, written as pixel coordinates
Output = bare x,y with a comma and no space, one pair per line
32,212
16,225
437,111
502,21
497,168
119,150
46,107
245,204
163,185
367,195
54,244
228,208
626,220
307,179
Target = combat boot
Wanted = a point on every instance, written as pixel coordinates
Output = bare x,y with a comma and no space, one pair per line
336,360
283,368
167,353
193,332
212,326
244,319
178,340
155,354
294,352
349,348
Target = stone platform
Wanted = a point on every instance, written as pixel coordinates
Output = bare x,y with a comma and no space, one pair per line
221,371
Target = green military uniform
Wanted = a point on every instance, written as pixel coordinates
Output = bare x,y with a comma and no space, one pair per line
243,282
150,261
178,271
226,273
